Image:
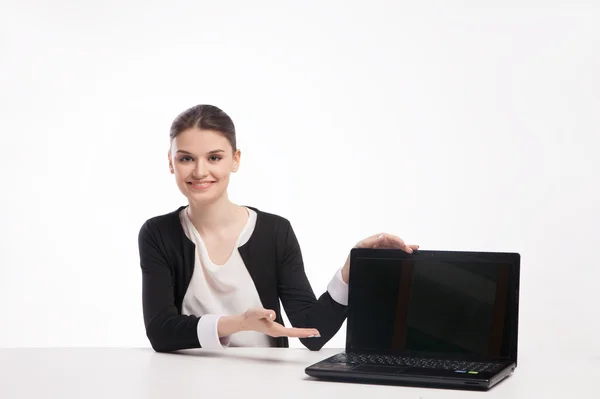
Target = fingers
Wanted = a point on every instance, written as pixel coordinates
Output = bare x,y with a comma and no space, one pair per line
302,332
395,242
268,314
265,322
370,242
279,331
388,241
261,314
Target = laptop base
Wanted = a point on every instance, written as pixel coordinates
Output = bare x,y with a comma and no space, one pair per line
385,375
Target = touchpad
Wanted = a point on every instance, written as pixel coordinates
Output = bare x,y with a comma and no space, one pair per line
367,368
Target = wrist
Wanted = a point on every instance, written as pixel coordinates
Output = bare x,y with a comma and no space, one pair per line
346,271
345,275
228,325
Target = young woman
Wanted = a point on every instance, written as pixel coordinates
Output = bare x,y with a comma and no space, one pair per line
213,272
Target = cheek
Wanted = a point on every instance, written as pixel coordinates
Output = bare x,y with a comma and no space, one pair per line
222,172
182,170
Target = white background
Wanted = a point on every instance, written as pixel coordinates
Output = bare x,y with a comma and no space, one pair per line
462,125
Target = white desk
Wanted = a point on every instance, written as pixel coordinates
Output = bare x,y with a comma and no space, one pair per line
89,373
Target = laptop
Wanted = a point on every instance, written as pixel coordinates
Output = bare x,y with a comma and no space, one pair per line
445,319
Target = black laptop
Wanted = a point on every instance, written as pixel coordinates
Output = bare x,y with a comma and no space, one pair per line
430,318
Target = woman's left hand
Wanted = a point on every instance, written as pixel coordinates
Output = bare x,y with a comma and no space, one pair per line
383,240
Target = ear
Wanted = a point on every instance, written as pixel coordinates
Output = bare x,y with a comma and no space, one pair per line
236,160
170,163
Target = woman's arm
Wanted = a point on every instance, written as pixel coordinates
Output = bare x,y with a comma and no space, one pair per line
166,329
301,306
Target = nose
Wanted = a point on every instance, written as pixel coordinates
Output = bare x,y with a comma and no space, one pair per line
201,169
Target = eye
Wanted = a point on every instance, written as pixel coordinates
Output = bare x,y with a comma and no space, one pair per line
214,158
185,158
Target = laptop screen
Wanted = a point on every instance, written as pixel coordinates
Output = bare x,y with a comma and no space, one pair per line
431,305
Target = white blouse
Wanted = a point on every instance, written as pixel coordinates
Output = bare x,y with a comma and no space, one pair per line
228,289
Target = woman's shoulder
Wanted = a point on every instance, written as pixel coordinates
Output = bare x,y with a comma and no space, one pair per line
272,229
162,222
268,218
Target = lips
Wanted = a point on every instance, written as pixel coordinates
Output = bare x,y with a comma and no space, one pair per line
201,185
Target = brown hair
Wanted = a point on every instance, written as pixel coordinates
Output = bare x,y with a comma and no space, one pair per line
207,117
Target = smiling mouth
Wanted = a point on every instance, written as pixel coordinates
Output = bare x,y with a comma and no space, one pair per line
201,185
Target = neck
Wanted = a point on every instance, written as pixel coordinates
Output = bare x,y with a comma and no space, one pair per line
214,216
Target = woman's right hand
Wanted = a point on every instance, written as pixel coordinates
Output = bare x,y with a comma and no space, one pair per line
262,320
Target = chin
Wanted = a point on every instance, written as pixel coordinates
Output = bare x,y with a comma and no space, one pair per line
203,198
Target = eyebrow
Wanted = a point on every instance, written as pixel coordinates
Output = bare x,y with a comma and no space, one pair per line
210,152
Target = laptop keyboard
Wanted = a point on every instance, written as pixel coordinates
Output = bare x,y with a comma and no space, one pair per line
440,364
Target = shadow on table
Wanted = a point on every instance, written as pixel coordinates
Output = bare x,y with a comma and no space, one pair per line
275,358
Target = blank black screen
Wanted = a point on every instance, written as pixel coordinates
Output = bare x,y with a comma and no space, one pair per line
429,306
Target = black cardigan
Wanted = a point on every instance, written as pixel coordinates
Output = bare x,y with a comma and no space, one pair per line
273,258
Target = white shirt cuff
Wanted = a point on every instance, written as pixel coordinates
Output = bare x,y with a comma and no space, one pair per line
208,333
338,289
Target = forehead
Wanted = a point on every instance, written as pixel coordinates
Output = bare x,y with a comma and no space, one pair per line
200,141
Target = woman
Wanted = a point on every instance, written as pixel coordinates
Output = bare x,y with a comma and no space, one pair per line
214,272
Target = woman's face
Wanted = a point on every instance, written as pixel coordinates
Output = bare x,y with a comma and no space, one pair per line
202,161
